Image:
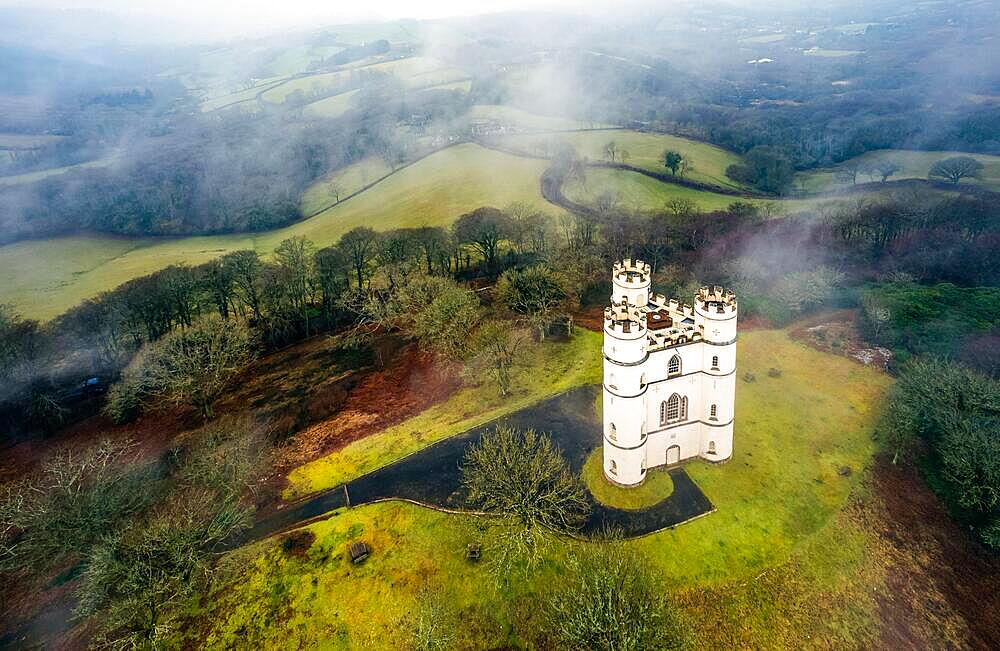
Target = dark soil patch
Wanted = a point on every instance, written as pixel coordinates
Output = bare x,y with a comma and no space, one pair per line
297,543
836,333
942,586
591,318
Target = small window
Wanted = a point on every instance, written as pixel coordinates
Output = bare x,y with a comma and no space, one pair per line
711,447
715,363
713,412
612,432
674,365
684,408
613,468
642,380
611,381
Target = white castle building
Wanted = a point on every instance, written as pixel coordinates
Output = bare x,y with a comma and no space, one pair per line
669,376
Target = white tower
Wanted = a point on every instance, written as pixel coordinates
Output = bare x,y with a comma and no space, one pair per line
669,376
625,354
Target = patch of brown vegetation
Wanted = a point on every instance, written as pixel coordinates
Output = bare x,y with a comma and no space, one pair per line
836,333
409,384
591,318
297,543
941,584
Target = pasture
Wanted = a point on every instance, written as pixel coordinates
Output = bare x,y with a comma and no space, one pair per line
638,192
780,538
331,107
914,165
521,119
645,150
32,177
431,192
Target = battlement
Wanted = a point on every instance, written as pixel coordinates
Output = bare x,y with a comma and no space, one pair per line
624,319
716,300
632,273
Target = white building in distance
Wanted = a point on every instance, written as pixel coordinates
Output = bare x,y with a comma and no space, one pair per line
669,376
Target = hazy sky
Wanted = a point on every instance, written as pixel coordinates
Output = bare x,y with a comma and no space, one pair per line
232,16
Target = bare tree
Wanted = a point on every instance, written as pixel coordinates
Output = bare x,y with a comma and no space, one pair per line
497,346
955,169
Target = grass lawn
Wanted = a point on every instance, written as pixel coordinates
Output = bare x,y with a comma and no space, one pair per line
914,164
331,107
638,192
782,563
654,489
550,368
431,192
646,151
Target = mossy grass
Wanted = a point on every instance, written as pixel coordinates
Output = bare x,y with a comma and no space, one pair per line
654,489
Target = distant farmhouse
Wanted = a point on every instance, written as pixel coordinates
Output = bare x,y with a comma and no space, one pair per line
669,376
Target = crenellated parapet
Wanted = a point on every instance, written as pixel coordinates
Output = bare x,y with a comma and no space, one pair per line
631,272
716,300
625,319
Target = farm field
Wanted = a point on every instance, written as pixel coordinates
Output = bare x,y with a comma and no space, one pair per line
509,115
298,59
229,99
331,107
347,180
645,151
914,164
31,177
639,192
464,86
783,520
433,191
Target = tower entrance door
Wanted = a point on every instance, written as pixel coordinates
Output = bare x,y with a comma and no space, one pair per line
673,454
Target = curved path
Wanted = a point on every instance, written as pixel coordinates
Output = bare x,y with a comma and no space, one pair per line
431,477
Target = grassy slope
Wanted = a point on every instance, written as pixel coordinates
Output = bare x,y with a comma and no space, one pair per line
434,191
776,566
572,364
915,164
646,151
31,177
639,192
331,107
349,179
526,120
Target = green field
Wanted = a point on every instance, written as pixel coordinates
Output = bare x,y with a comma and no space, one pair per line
433,191
914,164
645,151
298,59
763,38
331,107
508,115
246,95
347,180
464,86
31,177
279,93
638,192
777,565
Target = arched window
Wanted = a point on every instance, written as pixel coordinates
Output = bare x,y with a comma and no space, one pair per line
613,468
670,410
715,363
711,447
612,432
713,412
674,365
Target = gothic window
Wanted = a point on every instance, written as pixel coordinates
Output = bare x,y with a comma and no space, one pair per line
674,365
612,432
613,468
715,363
711,447
675,408
713,412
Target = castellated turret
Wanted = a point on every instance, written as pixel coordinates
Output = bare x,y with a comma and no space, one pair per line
669,376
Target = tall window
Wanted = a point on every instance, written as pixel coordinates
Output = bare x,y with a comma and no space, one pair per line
674,409
611,381
612,432
642,380
613,467
715,362
674,365
713,412
711,447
